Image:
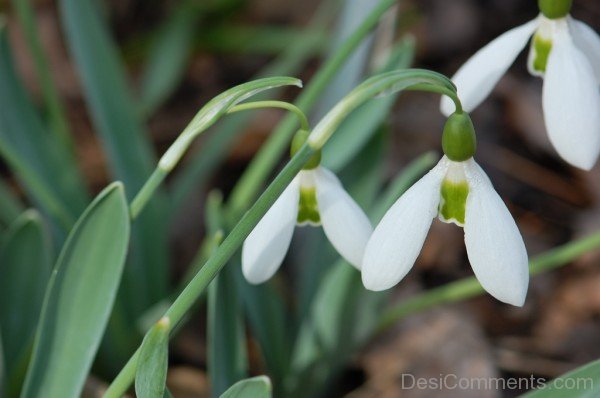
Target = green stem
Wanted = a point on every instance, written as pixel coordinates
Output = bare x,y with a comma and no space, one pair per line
249,184
304,125
444,91
184,141
145,194
218,260
470,287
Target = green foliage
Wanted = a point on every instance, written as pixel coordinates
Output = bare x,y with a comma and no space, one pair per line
226,343
168,56
256,387
151,372
306,334
32,153
25,265
122,134
79,298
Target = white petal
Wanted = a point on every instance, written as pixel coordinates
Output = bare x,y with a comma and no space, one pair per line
397,240
571,103
345,224
494,244
588,41
266,246
478,76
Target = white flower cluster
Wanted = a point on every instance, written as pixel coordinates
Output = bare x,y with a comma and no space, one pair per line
566,53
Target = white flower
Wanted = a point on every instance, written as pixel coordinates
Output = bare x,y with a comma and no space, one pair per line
314,197
458,192
566,53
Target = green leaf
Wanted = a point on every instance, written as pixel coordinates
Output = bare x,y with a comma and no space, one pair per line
55,112
151,373
256,387
25,265
31,151
168,56
227,357
226,342
129,153
267,311
79,298
583,382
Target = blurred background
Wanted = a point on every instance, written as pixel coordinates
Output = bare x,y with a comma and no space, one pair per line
213,45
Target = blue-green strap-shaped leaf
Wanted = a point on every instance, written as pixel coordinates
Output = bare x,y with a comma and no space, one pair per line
79,298
107,92
25,265
168,55
126,143
22,134
227,356
151,374
583,382
255,387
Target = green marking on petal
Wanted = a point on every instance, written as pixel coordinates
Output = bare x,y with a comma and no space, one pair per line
308,211
541,51
453,202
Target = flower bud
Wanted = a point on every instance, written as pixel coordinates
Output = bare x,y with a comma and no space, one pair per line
299,139
555,9
458,140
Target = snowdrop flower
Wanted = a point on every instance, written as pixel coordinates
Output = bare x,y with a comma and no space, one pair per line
566,54
458,191
315,197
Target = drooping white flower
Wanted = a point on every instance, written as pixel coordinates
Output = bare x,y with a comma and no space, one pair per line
315,197
566,54
461,193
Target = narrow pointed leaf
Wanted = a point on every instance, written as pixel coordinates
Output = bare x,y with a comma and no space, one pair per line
127,146
227,357
55,113
30,150
151,373
256,387
79,298
168,56
25,265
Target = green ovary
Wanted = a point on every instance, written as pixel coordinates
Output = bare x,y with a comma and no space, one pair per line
453,202
308,211
542,48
